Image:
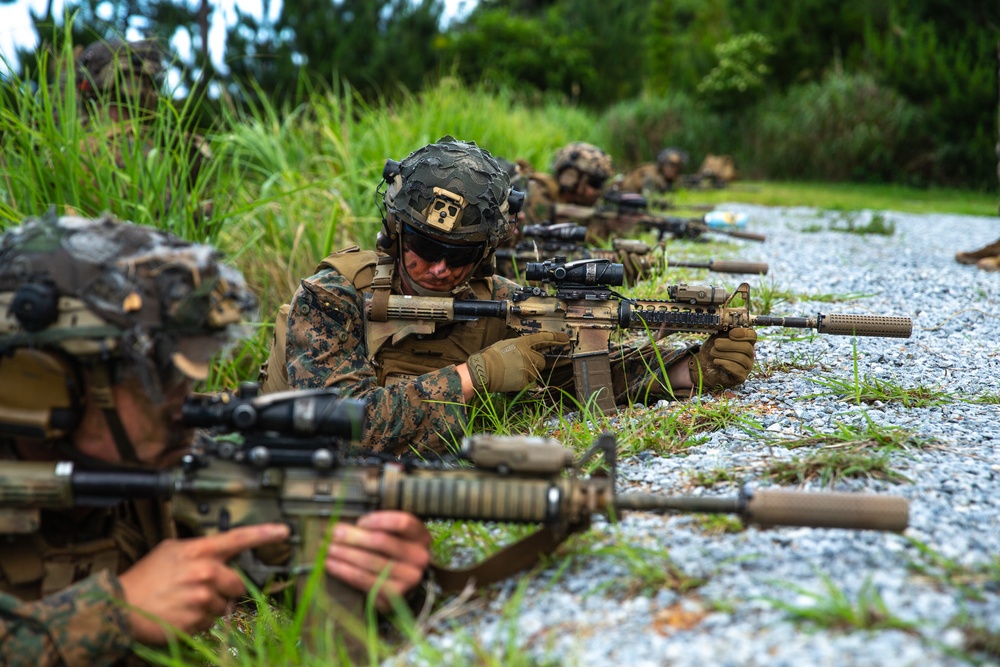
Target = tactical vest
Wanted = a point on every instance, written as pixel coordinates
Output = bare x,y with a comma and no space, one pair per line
73,545
412,355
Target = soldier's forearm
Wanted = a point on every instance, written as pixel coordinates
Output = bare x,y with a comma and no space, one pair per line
81,626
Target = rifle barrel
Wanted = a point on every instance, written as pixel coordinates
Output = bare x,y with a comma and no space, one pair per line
725,266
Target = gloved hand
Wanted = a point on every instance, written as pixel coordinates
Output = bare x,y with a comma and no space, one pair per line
514,363
724,360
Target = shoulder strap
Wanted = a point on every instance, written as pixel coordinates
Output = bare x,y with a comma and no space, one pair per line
512,559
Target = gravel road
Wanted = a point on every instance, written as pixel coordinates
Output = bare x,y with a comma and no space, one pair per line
936,602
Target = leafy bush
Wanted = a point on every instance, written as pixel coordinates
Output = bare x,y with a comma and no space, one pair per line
638,129
740,74
848,127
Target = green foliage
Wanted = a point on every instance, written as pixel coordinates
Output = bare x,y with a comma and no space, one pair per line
943,58
526,54
680,38
827,467
637,129
650,570
145,167
374,45
870,436
971,581
847,127
869,389
741,73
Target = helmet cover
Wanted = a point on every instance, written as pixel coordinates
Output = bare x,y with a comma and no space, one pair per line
98,289
131,70
452,190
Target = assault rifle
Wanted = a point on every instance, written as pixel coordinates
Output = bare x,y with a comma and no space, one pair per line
568,240
292,466
585,307
636,206
628,211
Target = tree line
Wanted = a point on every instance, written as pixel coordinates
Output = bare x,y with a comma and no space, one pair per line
932,64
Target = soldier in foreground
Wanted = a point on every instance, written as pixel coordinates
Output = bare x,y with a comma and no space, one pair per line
105,327
448,206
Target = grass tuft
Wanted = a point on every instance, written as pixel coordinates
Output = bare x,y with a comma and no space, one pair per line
833,609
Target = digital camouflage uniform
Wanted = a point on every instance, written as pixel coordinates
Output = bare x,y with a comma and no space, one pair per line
60,599
413,390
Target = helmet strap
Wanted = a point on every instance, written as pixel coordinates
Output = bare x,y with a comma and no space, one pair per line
100,385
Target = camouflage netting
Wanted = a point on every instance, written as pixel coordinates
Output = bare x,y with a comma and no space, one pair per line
135,67
672,156
585,158
100,287
462,168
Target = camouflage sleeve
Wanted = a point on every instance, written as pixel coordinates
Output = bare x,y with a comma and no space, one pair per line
84,625
326,347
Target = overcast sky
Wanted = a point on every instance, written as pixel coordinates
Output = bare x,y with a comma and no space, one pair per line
15,23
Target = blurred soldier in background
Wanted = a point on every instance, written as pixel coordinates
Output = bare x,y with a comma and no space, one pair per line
103,328
658,177
579,174
118,87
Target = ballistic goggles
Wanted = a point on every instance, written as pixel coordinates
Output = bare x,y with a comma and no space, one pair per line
431,250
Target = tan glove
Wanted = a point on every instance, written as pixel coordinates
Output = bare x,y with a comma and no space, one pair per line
514,363
724,360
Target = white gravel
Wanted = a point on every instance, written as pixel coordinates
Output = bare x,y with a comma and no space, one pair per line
584,616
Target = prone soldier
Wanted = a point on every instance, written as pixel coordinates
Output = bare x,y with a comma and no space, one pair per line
656,177
448,206
104,326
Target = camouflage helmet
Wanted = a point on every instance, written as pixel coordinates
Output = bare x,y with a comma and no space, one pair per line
586,159
671,156
454,191
116,69
112,296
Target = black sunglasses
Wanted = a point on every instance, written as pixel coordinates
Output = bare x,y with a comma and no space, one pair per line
432,250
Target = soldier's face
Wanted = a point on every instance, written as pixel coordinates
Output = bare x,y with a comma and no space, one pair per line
435,276
151,428
586,192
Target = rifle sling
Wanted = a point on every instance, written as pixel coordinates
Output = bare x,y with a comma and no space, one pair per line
513,558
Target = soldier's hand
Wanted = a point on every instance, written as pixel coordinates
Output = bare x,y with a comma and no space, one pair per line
385,541
186,584
514,363
724,360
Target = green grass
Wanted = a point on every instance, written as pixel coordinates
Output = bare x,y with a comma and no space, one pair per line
826,467
869,389
851,197
834,609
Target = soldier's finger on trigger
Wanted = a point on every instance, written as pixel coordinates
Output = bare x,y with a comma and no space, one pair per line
226,545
